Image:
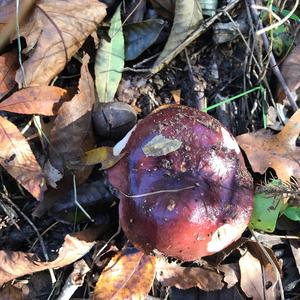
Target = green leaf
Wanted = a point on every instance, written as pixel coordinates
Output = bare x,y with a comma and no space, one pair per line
140,36
293,213
188,15
109,62
266,210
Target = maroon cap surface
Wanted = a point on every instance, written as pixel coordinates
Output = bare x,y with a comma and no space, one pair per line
199,193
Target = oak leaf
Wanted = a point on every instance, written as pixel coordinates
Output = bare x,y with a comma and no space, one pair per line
43,100
8,67
54,32
18,160
15,263
265,150
129,275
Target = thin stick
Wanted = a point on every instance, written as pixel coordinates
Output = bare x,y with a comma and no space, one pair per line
19,42
36,231
275,25
76,201
273,62
199,31
158,192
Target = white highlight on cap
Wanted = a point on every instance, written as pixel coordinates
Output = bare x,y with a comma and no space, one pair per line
229,142
223,236
218,165
117,149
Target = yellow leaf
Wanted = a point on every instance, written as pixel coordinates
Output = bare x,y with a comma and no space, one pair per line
103,156
129,275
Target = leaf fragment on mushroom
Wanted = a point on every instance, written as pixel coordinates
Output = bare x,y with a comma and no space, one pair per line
161,145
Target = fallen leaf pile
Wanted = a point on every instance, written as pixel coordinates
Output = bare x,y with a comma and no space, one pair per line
63,64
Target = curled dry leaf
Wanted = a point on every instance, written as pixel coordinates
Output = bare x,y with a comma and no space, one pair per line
68,23
291,72
18,160
129,275
172,274
16,264
72,127
43,100
265,150
8,67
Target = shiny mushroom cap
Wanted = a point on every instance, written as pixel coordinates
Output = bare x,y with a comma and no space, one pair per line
183,186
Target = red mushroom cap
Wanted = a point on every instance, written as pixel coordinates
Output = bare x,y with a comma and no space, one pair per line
199,195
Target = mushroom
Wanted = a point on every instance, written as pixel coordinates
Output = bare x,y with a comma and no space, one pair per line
183,186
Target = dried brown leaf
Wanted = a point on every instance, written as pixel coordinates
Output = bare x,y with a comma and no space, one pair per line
8,67
16,264
290,70
258,278
129,275
55,31
18,160
251,276
72,126
172,274
265,150
35,100
10,292
231,274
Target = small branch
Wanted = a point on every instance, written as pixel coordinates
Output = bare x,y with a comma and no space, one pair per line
7,199
199,31
280,22
273,62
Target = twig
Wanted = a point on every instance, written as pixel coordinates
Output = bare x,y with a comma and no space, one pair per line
199,31
36,231
76,201
273,63
75,280
106,244
275,25
19,41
